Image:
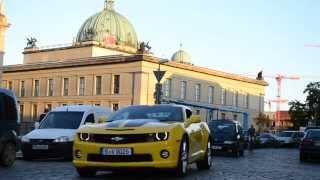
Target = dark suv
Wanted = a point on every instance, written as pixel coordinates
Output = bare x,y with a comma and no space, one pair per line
227,137
9,121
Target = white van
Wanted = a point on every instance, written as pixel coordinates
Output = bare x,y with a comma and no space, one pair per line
55,134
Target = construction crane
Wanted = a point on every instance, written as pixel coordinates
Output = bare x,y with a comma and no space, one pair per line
279,79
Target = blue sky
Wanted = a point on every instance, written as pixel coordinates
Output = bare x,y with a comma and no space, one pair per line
238,36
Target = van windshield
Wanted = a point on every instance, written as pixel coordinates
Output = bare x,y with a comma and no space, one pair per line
62,120
224,131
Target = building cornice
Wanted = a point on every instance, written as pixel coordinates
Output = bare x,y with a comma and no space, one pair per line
120,59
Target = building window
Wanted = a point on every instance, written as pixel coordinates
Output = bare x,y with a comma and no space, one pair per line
81,86
36,88
223,96
98,85
247,100
234,98
97,105
65,86
115,107
210,94
64,104
10,86
183,90
4,84
50,87
167,88
116,84
35,112
21,112
198,93
261,103
22,89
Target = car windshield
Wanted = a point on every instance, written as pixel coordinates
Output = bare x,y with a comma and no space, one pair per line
62,120
285,134
161,113
224,129
313,135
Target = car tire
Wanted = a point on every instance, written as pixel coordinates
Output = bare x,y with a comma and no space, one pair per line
84,172
182,166
206,163
8,155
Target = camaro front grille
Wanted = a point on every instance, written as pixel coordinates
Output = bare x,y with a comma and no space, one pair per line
133,158
121,139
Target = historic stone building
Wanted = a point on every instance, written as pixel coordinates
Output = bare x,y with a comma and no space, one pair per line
107,66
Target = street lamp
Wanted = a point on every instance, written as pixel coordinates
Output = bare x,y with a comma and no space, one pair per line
159,75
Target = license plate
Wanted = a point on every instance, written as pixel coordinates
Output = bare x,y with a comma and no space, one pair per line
116,151
40,147
216,147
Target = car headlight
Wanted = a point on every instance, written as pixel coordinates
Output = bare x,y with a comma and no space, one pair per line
162,136
229,142
25,139
62,139
84,136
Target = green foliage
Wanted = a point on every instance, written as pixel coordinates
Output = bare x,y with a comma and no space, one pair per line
302,113
298,114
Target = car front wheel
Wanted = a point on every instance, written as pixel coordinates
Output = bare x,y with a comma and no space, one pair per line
182,167
206,163
8,155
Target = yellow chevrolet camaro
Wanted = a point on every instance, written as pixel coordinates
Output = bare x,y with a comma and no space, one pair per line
160,136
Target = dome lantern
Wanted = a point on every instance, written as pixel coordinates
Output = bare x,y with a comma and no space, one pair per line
109,4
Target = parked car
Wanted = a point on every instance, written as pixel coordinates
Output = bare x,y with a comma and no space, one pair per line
160,136
55,135
311,127
290,138
227,137
310,145
9,122
267,140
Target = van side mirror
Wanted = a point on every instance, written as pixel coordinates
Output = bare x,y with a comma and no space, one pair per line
102,120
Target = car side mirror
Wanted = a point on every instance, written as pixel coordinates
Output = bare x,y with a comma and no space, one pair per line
195,119
36,125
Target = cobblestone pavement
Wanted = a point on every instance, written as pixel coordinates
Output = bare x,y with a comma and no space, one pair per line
259,165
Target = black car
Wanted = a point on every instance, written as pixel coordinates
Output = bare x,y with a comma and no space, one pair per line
227,137
310,145
9,122
267,140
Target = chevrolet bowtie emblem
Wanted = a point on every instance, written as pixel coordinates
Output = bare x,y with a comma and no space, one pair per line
117,139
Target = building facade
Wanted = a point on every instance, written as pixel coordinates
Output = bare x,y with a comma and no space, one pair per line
107,66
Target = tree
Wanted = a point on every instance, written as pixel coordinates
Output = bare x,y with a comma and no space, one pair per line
302,113
263,122
299,114
313,101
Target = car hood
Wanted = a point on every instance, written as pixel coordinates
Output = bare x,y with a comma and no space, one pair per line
51,133
141,125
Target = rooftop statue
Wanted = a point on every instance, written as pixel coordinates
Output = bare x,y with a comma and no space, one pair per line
144,48
31,42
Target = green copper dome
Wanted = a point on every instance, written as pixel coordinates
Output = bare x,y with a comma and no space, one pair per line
108,28
181,56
